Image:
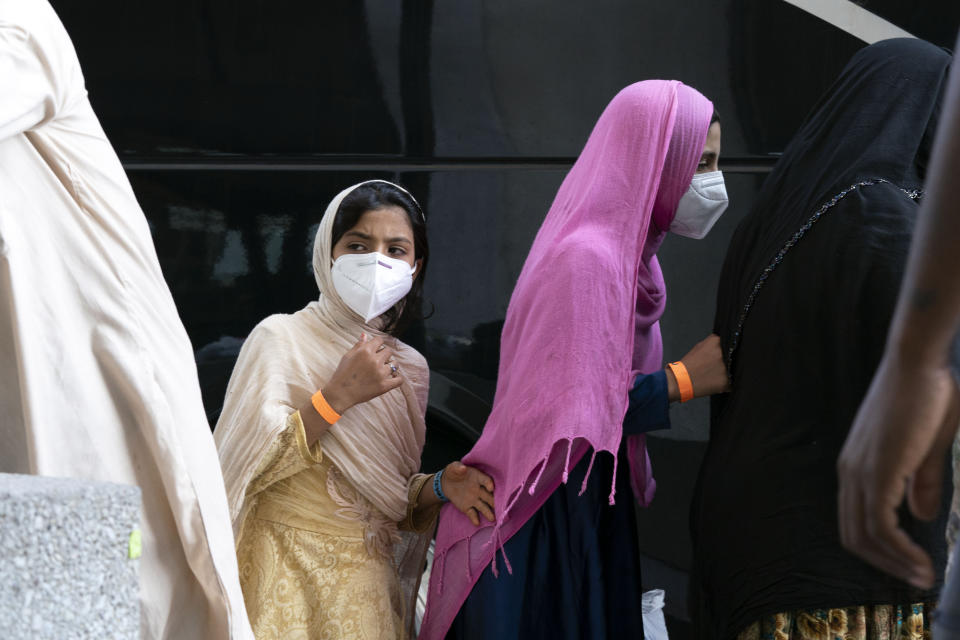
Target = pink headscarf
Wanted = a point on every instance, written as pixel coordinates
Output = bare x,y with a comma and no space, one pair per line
583,321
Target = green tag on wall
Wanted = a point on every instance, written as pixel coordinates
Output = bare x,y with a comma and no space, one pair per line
135,548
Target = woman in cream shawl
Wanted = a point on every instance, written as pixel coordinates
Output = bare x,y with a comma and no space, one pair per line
333,520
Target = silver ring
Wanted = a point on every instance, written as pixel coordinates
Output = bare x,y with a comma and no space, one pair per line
393,369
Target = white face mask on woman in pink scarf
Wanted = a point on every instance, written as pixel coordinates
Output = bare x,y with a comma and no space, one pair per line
701,206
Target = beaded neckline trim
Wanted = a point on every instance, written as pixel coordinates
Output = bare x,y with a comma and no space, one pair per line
913,194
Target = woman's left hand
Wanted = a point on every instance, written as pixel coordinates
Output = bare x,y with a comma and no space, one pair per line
470,491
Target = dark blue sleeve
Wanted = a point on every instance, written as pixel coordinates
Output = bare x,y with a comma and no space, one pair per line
649,408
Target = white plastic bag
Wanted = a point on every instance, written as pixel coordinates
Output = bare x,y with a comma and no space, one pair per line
654,626
425,589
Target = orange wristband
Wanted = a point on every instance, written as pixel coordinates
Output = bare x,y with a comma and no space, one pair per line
323,408
683,380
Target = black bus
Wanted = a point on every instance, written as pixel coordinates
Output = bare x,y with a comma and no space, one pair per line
238,121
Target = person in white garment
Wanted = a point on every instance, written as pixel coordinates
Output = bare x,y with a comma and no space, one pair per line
97,377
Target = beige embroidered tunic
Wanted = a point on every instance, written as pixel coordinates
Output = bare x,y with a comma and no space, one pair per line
315,556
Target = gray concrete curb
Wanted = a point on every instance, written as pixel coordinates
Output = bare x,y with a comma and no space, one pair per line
68,565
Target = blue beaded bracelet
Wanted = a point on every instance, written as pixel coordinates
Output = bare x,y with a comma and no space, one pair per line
437,491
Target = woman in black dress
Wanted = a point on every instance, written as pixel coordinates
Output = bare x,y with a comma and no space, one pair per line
805,299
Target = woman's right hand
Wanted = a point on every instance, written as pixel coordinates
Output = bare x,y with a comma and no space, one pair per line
708,372
364,372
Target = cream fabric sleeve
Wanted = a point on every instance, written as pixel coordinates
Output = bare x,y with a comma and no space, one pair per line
37,80
288,454
424,521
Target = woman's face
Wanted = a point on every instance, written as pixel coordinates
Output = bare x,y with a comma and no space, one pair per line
386,230
710,159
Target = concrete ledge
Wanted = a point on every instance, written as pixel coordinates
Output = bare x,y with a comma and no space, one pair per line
65,559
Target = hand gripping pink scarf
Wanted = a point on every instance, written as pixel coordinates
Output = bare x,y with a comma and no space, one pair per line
583,321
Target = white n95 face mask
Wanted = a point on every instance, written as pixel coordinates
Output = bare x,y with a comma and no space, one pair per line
371,283
701,206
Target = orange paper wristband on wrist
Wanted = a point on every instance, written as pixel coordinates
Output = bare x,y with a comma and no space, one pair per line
323,408
683,380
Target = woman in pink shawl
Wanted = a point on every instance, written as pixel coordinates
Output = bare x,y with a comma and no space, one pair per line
581,367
